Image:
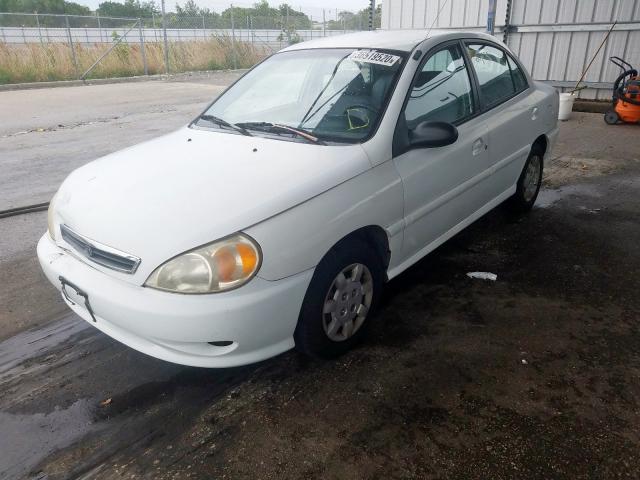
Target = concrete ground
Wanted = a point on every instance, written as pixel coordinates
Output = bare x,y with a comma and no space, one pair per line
536,375
45,133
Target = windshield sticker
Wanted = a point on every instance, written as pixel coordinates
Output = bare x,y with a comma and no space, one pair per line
371,56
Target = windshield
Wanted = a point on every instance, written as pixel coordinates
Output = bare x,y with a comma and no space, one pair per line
320,95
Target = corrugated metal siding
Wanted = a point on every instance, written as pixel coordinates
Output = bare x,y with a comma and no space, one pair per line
555,56
422,13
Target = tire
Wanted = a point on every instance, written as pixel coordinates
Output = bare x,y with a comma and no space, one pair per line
323,328
611,117
526,192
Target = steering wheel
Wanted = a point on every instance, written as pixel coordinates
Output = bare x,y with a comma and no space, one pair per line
360,119
371,108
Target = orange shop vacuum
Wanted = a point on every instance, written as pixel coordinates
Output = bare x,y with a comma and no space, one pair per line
626,95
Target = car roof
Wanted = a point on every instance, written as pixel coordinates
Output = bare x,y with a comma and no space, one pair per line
402,40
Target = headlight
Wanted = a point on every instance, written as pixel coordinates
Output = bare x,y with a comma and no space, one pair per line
221,265
50,223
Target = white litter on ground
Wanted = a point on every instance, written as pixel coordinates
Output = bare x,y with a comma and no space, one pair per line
483,275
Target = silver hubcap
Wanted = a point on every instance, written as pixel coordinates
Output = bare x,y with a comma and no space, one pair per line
531,178
347,302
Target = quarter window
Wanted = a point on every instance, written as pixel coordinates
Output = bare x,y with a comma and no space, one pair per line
442,90
519,79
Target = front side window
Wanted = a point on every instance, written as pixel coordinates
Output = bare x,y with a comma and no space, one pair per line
335,95
441,91
495,78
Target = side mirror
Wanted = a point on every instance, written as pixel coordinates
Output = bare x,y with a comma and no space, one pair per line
432,134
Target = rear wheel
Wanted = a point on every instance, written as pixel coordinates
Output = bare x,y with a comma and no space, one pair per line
529,182
611,117
340,300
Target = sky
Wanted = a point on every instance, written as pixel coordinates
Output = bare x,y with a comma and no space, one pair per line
310,7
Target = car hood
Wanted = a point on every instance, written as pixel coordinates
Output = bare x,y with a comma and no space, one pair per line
165,196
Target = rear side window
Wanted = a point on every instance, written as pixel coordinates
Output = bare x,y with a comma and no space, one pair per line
441,90
494,73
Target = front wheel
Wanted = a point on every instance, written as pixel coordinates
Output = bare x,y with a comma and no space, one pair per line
340,300
611,117
529,183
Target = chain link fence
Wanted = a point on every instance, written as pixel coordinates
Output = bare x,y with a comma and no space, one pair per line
41,47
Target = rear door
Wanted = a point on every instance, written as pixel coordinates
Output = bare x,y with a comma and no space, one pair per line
441,184
508,112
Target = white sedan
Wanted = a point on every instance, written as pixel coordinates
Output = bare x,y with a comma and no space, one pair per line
273,220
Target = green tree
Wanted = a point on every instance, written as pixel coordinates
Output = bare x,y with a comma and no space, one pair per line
43,6
193,16
293,17
191,9
262,15
355,21
130,9
73,8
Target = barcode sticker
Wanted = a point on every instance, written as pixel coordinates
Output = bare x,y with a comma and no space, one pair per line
372,56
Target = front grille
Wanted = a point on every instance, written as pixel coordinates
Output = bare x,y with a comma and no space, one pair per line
98,253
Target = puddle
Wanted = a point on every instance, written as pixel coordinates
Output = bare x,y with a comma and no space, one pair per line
549,196
33,343
27,439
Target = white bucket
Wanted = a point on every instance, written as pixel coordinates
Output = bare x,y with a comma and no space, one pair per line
566,105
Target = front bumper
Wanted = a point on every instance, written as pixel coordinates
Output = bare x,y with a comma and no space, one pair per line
258,318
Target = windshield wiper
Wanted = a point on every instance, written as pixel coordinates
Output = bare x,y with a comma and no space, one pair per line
268,126
324,89
224,123
309,117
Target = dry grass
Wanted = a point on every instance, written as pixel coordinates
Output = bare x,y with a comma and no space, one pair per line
37,62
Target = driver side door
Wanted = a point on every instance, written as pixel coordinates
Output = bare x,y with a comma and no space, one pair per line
442,185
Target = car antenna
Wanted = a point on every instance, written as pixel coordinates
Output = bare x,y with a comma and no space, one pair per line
437,17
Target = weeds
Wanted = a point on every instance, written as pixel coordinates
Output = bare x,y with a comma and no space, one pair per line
36,62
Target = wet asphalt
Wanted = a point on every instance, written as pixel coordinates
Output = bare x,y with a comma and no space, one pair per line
535,375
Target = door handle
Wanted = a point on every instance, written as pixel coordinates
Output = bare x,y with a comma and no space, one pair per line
478,146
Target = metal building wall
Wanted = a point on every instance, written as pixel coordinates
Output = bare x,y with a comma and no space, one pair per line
453,13
555,39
